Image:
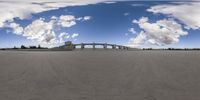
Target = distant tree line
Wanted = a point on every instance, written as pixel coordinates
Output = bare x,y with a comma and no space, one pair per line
30,47
172,49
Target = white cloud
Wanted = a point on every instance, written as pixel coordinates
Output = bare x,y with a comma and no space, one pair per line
16,28
44,32
41,31
86,18
54,18
79,19
74,35
137,5
162,32
139,40
109,2
63,36
132,30
126,14
23,9
67,21
186,12
126,34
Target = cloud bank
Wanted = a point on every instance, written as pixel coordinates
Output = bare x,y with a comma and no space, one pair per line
168,31
23,9
44,32
40,30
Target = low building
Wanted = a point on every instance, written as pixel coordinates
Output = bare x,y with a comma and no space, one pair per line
68,46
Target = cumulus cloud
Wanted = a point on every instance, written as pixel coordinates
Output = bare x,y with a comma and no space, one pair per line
80,18
139,40
67,20
162,32
132,30
44,32
186,12
16,28
86,18
41,31
74,35
63,36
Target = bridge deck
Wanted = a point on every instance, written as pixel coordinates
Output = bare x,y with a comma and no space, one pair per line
98,44
72,46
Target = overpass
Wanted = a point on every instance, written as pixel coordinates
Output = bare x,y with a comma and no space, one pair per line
69,45
104,45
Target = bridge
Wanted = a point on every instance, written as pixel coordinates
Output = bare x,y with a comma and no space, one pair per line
70,46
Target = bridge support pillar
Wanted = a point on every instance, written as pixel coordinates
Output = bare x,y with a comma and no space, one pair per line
105,46
124,48
93,45
120,47
113,46
74,47
82,46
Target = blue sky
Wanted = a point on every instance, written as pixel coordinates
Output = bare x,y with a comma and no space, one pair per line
105,22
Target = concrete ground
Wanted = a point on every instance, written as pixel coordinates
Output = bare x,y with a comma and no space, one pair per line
100,75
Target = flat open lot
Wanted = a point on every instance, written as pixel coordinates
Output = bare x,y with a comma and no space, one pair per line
100,75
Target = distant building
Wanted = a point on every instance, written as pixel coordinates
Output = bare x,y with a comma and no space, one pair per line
23,47
67,46
68,43
33,47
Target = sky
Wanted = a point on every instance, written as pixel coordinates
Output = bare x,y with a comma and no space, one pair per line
142,24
